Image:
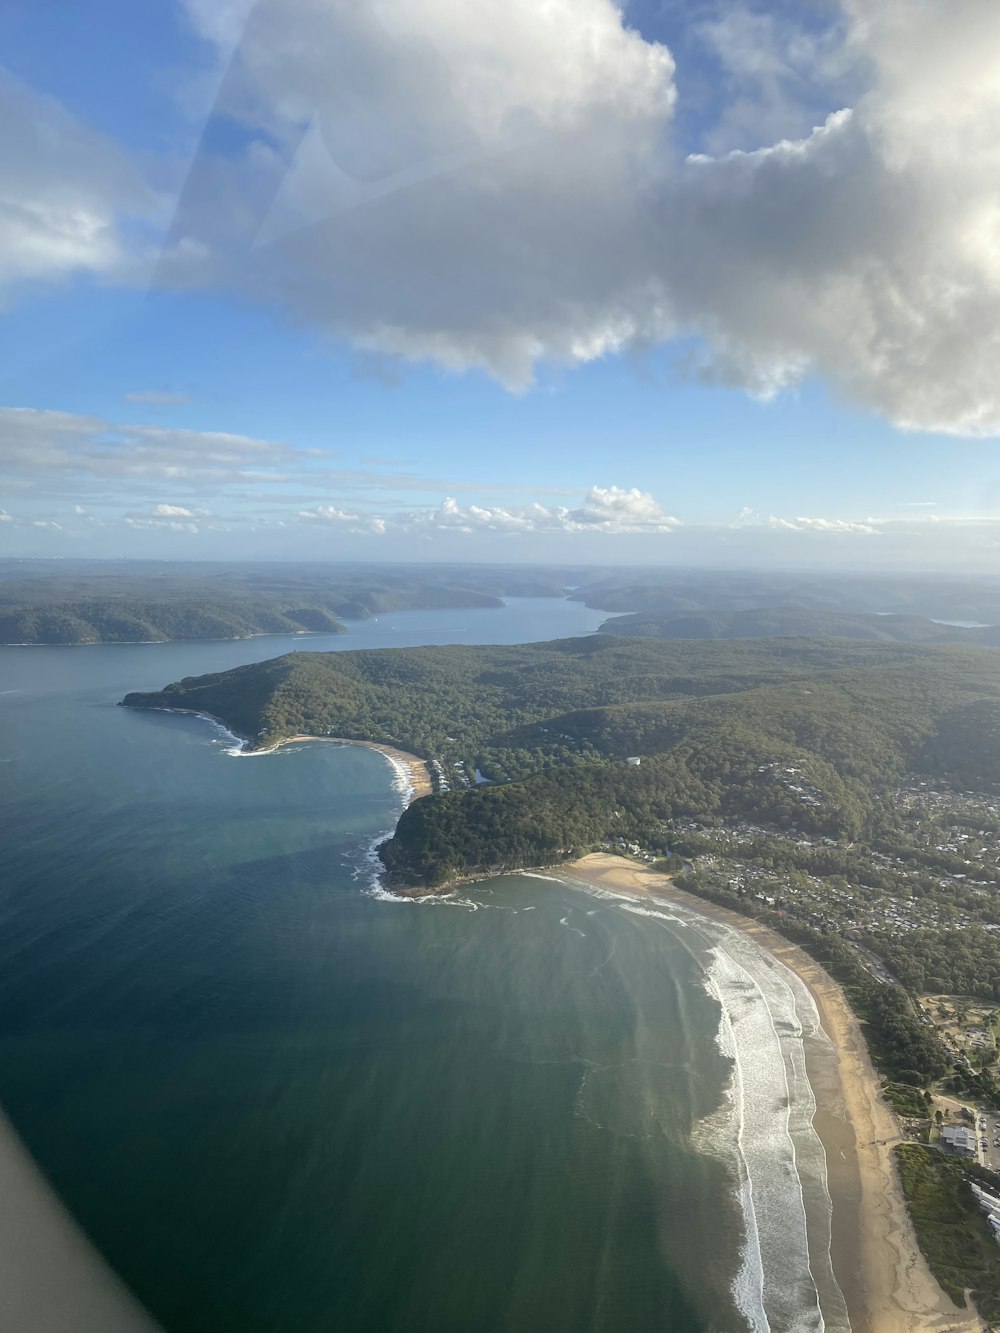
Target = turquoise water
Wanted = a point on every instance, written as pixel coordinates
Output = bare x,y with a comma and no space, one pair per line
278,1102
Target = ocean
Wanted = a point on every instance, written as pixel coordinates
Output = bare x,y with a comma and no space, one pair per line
280,1101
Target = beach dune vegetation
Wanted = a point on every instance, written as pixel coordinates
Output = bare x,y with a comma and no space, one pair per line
951,1229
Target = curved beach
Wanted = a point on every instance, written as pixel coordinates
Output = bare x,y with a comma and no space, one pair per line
415,775
877,1263
413,772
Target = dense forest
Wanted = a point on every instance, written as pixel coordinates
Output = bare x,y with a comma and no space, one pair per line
110,602
139,621
798,734
80,601
792,622
679,592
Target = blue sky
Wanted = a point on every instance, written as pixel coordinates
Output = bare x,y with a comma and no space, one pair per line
616,303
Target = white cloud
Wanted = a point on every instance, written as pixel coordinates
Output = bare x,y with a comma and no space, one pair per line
749,519
442,180
493,185
614,508
780,70
56,447
166,518
498,184
831,525
67,194
345,519
604,510
49,452
171,511
956,520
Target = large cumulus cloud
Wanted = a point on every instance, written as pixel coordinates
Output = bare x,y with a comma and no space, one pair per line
497,184
501,184
605,509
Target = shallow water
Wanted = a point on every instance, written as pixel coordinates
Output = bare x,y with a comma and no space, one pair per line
280,1102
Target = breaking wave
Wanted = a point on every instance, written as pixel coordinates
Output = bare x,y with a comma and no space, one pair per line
764,1128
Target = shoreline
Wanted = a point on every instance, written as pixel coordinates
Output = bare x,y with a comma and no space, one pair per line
232,638
418,774
876,1259
879,1267
411,766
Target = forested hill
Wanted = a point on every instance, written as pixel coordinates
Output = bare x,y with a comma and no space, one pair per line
794,622
805,734
677,592
137,621
93,603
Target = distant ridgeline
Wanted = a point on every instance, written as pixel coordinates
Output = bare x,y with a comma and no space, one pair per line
232,603
812,735
794,622
671,594
156,622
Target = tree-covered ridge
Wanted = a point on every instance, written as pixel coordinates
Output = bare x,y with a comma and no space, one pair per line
806,735
793,622
680,592
136,621
88,604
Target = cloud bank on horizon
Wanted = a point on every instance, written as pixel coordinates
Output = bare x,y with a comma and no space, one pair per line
504,185
220,488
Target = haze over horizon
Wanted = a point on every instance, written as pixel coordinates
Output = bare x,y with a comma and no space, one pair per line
667,283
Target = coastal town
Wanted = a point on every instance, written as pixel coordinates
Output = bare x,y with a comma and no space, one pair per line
941,872
939,876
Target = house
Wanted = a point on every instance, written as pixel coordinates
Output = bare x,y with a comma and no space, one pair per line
633,761
958,1139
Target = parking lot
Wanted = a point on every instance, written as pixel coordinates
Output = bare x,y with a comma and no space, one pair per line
988,1139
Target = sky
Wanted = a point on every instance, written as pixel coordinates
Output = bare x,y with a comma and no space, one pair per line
680,282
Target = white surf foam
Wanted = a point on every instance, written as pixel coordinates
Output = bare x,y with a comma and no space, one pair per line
786,1279
638,910
236,743
764,1130
402,783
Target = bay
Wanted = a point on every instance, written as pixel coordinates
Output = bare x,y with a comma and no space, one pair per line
277,1102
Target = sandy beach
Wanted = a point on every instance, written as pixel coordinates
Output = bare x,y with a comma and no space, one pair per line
418,775
415,769
881,1271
